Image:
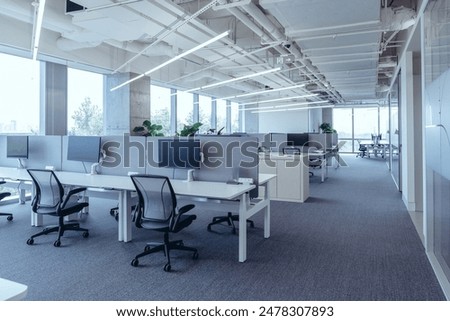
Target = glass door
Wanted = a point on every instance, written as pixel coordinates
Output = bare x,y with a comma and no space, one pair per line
395,147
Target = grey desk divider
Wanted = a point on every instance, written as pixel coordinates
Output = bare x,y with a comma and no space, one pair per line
124,154
279,141
227,158
42,151
4,161
322,141
152,161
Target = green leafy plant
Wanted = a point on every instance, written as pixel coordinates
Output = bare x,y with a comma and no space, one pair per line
190,130
326,128
148,129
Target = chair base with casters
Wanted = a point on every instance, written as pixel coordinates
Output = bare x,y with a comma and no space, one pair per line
9,216
60,228
168,246
52,200
230,219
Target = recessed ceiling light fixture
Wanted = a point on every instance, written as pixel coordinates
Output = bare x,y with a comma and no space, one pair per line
224,34
234,79
287,105
254,93
289,109
39,7
279,99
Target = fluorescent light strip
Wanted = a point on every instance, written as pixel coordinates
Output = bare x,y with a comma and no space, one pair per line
38,29
287,105
235,79
264,91
279,99
224,34
289,109
111,5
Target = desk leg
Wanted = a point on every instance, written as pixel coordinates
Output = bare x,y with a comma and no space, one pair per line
267,211
243,227
36,220
124,221
324,168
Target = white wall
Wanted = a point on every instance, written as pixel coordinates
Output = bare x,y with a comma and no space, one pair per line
296,121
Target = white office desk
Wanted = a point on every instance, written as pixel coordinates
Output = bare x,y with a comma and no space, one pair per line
207,191
12,291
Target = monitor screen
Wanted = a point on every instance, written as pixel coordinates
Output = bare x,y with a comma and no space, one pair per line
84,148
298,139
179,153
17,146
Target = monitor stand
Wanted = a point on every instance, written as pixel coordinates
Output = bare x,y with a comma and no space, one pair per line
20,164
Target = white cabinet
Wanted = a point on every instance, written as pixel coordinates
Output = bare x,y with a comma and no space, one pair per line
292,181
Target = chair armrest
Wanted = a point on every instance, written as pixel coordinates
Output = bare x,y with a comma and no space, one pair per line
71,193
2,182
185,209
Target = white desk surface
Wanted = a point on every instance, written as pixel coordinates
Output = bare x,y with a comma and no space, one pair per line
11,291
217,190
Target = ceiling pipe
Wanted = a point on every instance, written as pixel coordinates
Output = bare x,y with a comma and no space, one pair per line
262,19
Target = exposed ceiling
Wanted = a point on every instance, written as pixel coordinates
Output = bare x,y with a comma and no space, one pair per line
342,51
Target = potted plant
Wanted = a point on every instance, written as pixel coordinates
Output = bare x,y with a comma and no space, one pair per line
148,129
190,130
326,128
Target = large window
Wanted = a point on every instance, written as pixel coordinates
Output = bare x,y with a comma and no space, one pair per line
359,123
19,92
221,115
185,109
160,108
204,113
365,122
84,102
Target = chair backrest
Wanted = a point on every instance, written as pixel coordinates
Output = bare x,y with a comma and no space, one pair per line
49,191
157,200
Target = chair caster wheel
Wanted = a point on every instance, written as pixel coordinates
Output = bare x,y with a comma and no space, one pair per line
57,243
209,228
86,234
9,218
135,262
147,248
30,241
252,225
195,255
167,267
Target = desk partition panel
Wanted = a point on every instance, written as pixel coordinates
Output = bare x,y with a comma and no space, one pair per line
45,151
124,154
42,151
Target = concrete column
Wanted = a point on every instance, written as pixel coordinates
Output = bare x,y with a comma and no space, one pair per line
126,107
53,117
228,127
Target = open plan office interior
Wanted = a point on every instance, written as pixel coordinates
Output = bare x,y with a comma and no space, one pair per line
224,150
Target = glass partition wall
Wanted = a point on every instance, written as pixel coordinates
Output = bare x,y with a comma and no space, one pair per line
436,61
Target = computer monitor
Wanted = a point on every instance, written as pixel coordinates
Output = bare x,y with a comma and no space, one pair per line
179,153
17,146
84,148
300,139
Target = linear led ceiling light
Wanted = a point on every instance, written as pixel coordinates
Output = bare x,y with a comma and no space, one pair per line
234,79
287,105
37,27
278,99
289,109
263,92
174,59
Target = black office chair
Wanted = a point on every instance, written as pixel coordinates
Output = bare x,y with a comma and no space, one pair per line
157,210
51,200
9,216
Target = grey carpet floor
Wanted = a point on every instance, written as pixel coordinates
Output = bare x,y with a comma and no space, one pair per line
352,240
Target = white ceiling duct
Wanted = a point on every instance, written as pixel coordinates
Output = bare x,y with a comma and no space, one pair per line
69,45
